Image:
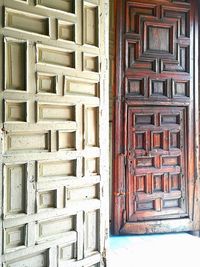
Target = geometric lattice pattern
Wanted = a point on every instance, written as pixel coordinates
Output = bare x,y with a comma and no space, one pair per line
155,117
52,94
157,42
156,182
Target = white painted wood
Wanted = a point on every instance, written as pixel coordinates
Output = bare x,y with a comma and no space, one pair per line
54,132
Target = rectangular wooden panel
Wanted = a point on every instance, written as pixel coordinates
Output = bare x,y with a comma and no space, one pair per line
90,234
53,56
15,64
91,166
25,141
151,186
90,24
51,228
91,126
26,22
15,189
55,112
66,140
35,260
56,169
61,5
83,193
81,87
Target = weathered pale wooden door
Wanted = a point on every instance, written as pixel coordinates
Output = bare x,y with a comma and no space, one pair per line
54,95
156,115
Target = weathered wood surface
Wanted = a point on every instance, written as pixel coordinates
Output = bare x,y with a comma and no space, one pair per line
156,184
54,132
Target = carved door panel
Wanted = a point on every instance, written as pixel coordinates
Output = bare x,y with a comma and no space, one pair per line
53,80
156,163
155,170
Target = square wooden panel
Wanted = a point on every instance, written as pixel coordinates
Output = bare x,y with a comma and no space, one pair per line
158,88
67,253
66,140
66,31
15,238
162,37
47,200
159,38
90,62
180,88
47,83
15,111
136,87
158,30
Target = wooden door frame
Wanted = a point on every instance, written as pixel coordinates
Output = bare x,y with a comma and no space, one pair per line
119,116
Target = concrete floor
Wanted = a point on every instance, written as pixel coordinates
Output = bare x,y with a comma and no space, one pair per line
164,250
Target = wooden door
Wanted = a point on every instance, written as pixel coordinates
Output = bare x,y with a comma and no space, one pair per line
54,132
156,117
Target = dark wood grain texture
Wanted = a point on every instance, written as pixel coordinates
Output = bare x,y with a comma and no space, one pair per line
156,185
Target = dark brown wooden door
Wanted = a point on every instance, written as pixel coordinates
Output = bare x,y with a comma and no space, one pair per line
156,182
